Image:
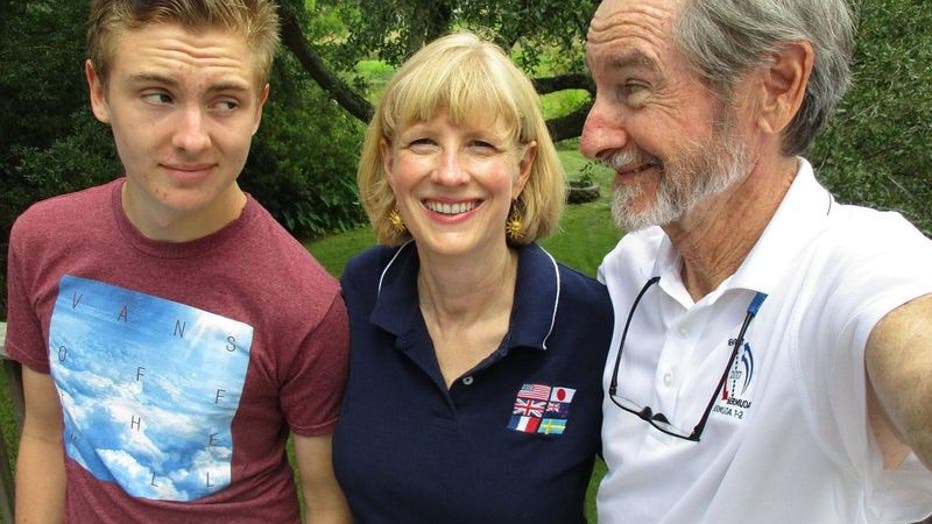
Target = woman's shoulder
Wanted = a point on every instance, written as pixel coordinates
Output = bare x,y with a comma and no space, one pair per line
575,286
376,256
367,266
582,288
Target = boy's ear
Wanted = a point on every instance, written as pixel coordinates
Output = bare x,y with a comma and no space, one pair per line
96,87
263,97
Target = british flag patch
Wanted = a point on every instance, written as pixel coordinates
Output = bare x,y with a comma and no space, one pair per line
539,408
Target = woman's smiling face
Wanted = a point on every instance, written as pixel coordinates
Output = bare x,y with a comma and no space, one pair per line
454,183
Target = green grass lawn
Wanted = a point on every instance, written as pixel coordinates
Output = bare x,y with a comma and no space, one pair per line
586,233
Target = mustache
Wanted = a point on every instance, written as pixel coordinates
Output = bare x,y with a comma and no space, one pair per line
619,159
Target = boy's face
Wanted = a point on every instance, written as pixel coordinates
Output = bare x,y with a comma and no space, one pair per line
183,107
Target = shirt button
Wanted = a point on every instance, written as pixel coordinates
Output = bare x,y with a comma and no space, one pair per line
668,379
467,381
683,332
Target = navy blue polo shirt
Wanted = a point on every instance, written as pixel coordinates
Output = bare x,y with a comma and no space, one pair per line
511,441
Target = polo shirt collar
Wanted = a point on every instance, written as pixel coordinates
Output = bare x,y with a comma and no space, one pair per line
537,297
532,315
396,304
799,218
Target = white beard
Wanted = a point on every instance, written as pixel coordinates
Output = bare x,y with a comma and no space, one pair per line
697,173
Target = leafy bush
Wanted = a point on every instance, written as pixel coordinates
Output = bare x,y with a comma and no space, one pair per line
877,150
302,165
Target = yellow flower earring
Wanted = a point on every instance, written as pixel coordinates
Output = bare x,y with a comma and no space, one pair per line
514,227
395,220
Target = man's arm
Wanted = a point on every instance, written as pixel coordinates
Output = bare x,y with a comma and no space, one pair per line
323,499
40,467
899,369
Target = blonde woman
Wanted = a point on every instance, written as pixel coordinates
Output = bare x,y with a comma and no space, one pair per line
474,391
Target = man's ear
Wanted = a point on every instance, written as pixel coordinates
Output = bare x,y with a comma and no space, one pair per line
782,86
98,96
263,96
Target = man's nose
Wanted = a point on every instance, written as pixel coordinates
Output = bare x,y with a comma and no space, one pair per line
603,131
191,132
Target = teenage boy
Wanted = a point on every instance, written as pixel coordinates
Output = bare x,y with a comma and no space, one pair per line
172,334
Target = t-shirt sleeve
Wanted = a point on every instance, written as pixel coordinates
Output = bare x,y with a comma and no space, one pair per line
24,340
867,275
314,385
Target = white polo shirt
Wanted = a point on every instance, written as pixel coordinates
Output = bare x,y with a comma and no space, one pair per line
788,439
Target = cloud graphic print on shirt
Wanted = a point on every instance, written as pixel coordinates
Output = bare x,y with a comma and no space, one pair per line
149,388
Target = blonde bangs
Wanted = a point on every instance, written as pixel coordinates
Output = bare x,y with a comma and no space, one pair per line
462,86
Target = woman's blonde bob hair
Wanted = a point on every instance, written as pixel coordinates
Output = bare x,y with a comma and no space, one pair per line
472,81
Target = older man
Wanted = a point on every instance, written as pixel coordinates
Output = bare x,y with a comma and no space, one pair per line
772,357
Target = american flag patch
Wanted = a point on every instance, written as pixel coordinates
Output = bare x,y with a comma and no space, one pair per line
543,409
534,391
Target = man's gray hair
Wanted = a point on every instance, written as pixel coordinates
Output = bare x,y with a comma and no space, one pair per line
724,39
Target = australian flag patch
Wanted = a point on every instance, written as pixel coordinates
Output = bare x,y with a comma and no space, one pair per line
540,408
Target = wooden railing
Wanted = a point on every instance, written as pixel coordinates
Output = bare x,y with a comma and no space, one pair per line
15,392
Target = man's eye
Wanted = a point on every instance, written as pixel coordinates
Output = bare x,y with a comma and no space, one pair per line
158,98
635,94
226,105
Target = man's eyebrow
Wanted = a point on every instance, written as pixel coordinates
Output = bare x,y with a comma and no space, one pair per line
633,59
227,87
154,78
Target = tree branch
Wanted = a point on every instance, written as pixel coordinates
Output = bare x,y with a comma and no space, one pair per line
552,84
569,126
293,38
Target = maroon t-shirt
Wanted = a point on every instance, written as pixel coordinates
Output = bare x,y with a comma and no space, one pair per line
181,367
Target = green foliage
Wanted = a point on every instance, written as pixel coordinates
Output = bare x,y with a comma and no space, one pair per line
42,52
391,30
584,177
83,158
334,251
877,150
43,112
302,164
